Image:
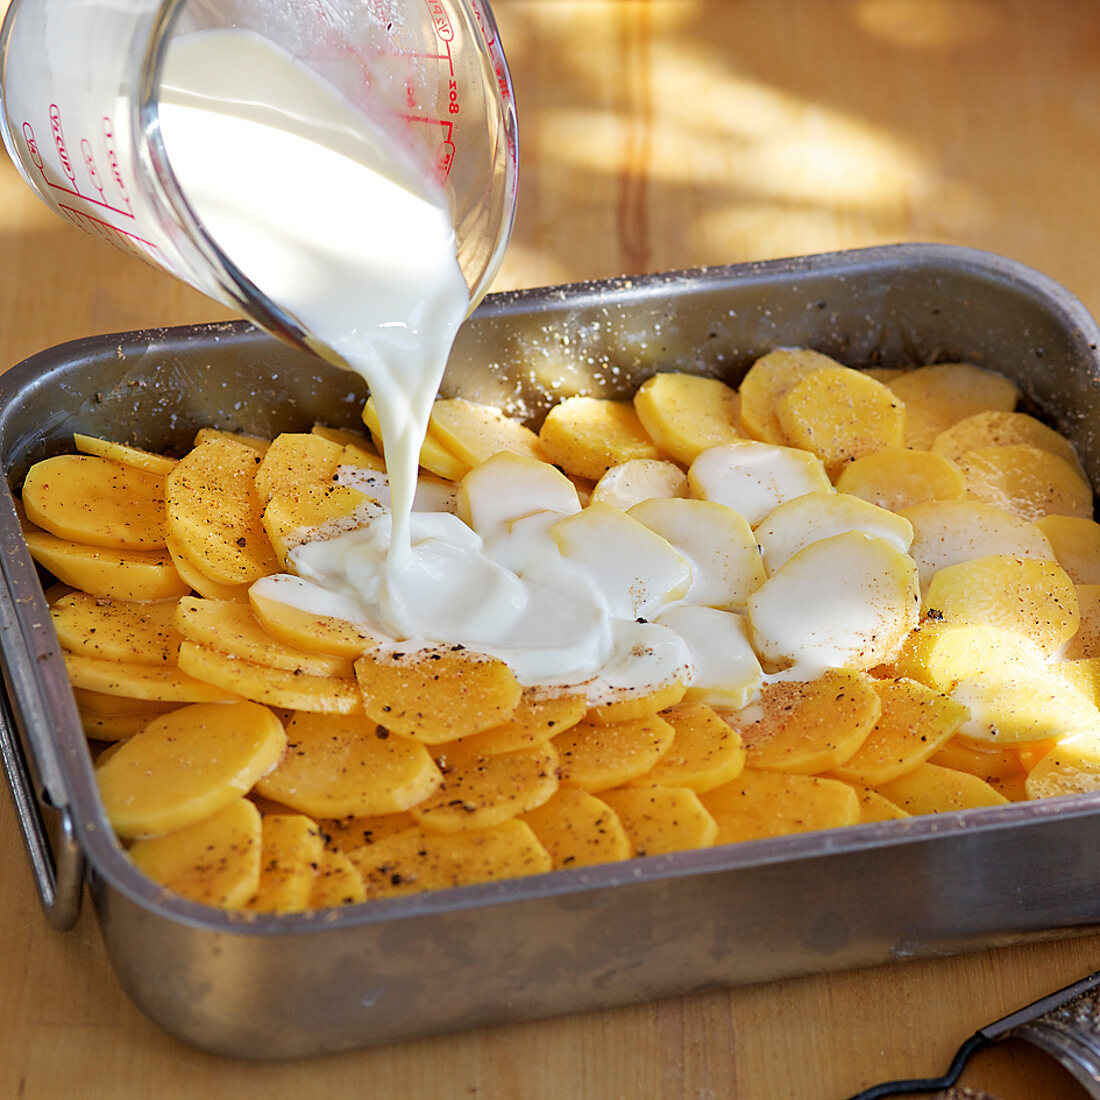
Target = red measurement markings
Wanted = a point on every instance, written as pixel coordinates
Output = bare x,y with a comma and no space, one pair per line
112,160
440,21
488,31
127,242
69,170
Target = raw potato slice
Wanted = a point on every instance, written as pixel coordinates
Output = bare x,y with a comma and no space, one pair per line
417,859
294,627
939,654
687,413
474,432
295,459
940,395
433,455
165,683
795,524
1071,767
897,477
508,487
705,751
946,532
124,455
760,804
344,834
91,500
579,830
1026,481
598,757
436,695
634,567
1034,598
346,437
586,436
840,414
256,443
196,580
876,807
996,428
630,703
1076,544
843,602
718,544
724,671
1086,642
1083,674
213,862
538,717
290,516
346,766
290,854
232,628
215,514
767,380
988,762
336,883
479,791
274,686
931,789
658,820
640,479
914,724
807,727
1010,706
752,478
117,630
188,765
117,717
113,574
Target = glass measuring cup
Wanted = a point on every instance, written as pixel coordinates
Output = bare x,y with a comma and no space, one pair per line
79,83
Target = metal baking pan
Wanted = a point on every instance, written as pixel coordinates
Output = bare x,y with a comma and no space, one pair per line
288,986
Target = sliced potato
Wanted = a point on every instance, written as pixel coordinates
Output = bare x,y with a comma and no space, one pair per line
1071,767
1034,598
436,695
914,724
899,477
417,859
166,683
840,414
92,500
341,766
214,862
996,428
343,834
215,514
231,627
806,727
1075,541
705,752
117,630
586,436
479,791
660,819
474,432
294,626
336,882
291,515
1026,481
767,380
197,581
597,757
538,716
434,456
761,804
290,855
578,829
932,789
640,479
687,413
940,395
295,459
112,574
124,454
187,765
276,687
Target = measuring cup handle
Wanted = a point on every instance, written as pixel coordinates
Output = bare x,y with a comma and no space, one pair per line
32,696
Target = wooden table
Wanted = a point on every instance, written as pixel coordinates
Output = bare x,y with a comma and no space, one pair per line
655,135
